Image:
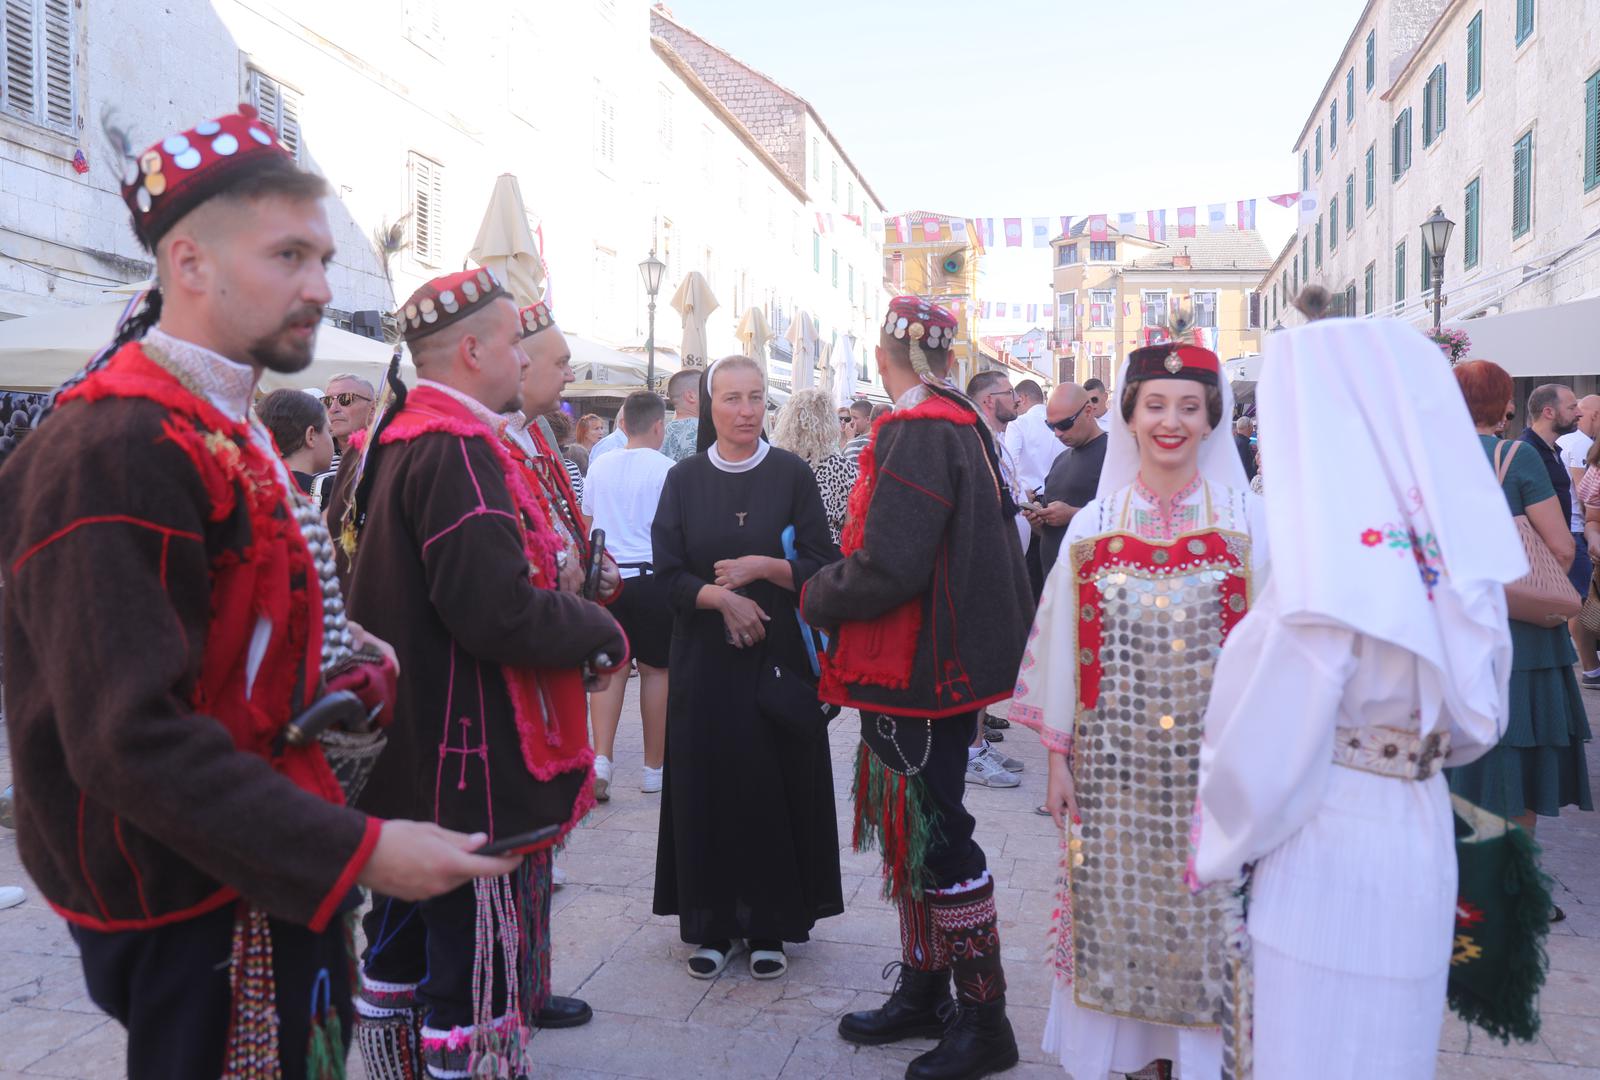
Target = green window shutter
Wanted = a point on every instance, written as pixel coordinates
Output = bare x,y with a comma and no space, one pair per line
1441,97
1427,110
1319,243
1522,186
1427,271
1524,20
1394,150
1305,256
1372,174
1474,56
1333,125
1350,203
1333,224
1400,273
1305,170
1372,58
1368,281
1591,132
1469,253
1350,96
1319,151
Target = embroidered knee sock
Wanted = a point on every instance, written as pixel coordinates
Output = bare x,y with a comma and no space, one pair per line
921,947
388,1030
966,920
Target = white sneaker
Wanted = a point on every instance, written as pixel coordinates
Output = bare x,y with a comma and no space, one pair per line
558,877
602,778
11,896
985,770
652,780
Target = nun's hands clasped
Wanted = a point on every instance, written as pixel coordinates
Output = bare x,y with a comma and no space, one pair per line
744,619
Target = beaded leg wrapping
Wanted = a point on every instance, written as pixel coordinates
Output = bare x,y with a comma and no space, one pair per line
969,925
921,946
252,1051
388,1030
893,816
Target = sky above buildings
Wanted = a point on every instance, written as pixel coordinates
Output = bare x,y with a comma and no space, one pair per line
1024,108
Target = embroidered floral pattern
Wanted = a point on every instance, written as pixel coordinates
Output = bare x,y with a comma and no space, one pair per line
1424,548
1167,520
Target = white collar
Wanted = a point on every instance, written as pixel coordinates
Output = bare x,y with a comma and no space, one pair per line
229,386
762,449
480,412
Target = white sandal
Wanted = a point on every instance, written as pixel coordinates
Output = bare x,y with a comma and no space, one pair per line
718,958
775,956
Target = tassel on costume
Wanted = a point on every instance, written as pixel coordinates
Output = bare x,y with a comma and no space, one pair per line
326,1049
252,1052
894,817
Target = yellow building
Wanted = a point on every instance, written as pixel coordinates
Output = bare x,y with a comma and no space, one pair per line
1111,294
941,267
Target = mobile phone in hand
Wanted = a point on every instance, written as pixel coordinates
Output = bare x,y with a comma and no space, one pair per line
597,562
521,842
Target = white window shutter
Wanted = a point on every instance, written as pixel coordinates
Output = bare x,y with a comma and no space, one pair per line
21,89
427,210
56,66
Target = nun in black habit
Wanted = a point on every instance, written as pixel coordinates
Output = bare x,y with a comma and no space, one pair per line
749,845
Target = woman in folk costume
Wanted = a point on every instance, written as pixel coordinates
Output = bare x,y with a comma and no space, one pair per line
1155,573
1376,654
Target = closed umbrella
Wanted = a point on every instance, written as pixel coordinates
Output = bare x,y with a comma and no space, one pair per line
694,302
845,371
505,243
803,336
754,333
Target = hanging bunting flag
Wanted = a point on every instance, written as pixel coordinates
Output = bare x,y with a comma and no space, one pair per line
1016,311
1066,224
1217,216
1127,308
987,311
1079,312
902,229
1285,201
854,219
1013,232
986,232
1041,232
1033,312
1097,226
1310,206
1156,224
822,225
930,230
1049,311
958,230
1125,224
1247,213
1185,222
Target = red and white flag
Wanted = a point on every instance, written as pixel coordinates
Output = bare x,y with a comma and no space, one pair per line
1186,222
1247,213
902,229
1066,224
1013,232
1033,312
1156,224
930,229
1097,227
986,231
1285,201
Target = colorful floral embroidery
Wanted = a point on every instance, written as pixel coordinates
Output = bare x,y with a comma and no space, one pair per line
1424,549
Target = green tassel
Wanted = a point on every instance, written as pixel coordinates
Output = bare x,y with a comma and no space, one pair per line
1512,1011
901,829
325,1057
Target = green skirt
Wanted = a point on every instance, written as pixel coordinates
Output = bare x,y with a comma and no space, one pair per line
1539,764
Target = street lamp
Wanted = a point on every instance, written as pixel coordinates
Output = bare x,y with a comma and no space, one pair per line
651,270
1435,239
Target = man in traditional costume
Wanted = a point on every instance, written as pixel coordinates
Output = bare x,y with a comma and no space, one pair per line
456,560
1383,633
1153,575
929,613
170,608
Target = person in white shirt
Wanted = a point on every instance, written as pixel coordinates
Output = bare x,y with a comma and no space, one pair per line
614,441
1029,441
620,496
1099,402
1574,450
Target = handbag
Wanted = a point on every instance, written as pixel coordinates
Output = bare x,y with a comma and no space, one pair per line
1544,596
1589,614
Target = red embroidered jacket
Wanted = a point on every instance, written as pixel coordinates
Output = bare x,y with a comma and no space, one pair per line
931,605
146,542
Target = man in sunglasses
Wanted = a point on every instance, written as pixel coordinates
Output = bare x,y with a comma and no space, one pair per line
348,400
1073,477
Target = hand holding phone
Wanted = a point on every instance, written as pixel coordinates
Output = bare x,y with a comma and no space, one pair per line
521,842
597,562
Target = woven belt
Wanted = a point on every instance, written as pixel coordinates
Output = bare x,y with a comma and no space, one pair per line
1386,751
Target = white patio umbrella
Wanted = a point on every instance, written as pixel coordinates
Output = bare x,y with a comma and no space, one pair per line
40,352
803,336
754,333
694,302
845,370
505,243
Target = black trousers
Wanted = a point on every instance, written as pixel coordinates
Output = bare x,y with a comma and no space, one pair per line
954,856
169,988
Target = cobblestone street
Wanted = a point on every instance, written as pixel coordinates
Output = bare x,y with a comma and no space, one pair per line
652,1020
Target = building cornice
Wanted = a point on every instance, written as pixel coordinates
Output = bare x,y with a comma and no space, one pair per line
1435,32
1333,76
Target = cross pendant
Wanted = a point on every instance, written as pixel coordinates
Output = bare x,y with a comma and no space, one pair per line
741,516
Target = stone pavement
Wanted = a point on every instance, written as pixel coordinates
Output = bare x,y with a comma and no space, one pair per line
652,1020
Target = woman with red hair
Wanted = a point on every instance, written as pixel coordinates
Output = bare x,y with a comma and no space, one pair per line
1539,765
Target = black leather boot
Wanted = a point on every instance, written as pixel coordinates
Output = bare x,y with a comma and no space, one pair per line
913,1011
563,1012
979,1042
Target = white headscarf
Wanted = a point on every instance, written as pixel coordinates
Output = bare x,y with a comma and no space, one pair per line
1219,457
1382,510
